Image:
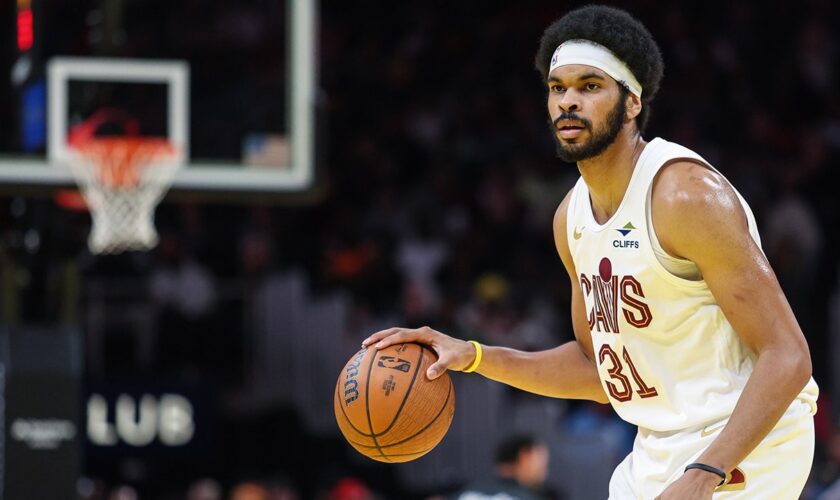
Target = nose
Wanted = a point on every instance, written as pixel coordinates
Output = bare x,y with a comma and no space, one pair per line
570,101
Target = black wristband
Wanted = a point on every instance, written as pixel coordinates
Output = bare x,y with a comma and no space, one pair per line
708,468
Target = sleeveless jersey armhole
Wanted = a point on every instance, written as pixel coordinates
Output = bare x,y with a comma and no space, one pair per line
681,269
684,270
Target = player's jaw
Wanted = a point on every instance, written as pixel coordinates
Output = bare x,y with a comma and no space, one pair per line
577,139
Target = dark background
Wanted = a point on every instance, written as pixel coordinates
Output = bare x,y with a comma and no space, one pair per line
436,185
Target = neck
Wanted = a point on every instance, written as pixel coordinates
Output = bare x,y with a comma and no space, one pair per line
608,174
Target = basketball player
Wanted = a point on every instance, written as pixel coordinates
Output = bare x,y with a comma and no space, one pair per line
679,321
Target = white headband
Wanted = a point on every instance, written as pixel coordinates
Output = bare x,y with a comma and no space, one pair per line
596,55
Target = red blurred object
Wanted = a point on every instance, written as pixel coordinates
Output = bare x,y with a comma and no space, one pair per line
25,33
71,199
350,488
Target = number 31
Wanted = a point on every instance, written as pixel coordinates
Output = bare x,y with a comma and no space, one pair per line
625,391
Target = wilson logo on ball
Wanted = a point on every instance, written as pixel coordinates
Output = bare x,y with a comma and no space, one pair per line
394,363
351,391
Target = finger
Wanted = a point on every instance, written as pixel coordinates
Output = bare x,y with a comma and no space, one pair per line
436,370
401,336
376,337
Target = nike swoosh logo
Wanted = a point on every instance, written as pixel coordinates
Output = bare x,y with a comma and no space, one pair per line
577,234
708,432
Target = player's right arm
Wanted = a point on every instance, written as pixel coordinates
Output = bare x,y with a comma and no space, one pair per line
567,371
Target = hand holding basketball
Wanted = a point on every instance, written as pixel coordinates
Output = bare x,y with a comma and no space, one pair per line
385,406
453,354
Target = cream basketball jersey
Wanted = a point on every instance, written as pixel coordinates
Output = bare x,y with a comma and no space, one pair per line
666,354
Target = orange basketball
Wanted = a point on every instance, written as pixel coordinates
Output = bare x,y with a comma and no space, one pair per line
387,408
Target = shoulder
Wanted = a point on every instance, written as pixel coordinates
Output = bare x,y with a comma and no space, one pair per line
684,187
689,183
691,202
561,216
561,242
562,211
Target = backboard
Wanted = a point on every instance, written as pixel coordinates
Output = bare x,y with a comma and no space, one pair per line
231,82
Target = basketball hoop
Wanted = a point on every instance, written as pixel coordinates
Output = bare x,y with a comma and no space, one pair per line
122,179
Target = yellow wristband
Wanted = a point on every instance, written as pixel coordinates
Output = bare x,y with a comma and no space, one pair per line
477,360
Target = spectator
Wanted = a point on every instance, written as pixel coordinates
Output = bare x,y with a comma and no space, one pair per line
204,489
249,490
521,468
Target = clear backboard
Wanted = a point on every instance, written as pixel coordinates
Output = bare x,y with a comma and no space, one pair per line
230,82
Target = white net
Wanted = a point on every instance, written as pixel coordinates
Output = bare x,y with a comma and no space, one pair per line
122,180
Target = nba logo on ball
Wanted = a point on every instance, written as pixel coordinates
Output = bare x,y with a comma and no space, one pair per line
387,408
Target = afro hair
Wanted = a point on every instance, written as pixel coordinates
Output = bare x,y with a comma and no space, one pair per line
616,30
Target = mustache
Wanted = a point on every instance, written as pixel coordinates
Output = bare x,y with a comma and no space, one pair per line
571,116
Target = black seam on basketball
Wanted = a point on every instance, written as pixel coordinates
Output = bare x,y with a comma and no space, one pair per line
367,405
418,453
440,412
405,397
347,419
341,405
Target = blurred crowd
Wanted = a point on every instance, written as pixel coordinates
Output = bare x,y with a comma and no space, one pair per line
437,183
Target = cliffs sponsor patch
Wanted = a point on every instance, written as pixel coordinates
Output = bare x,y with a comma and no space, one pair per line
625,243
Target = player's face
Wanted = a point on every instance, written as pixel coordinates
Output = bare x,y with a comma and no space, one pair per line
587,109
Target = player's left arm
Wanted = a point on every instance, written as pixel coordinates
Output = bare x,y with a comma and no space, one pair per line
697,216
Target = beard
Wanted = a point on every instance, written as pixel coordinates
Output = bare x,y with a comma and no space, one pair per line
599,141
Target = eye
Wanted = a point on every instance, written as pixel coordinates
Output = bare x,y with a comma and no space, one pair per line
592,86
556,88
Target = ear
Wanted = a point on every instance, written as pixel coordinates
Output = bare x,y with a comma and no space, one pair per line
634,106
